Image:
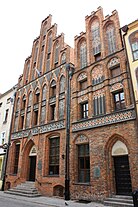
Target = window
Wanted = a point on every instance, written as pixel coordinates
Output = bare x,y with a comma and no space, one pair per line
35,117
61,109
37,96
115,71
41,58
99,105
35,54
83,84
96,42
44,93
119,100
21,121
134,44
53,88
17,150
28,119
56,54
83,163
136,73
43,114
54,156
27,71
6,115
24,102
83,55
0,104
63,58
18,104
110,34
62,84
53,111
30,99
84,110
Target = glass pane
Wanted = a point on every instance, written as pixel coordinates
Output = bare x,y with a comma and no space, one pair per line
86,149
87,176
118,106
136,55
135,46
81,163
81,176
81,150
87,163
116,97
122,96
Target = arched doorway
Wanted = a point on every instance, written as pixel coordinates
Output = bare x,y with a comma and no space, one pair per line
121,169
32,163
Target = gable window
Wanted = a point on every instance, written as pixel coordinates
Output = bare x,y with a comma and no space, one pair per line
83,163
96,42
27,71
134,44
56,54
53,88
54,156
83,55
63,58
119,100
24,102
37,96
62,84
110,34
84,110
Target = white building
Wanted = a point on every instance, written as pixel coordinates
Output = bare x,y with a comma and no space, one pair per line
6,108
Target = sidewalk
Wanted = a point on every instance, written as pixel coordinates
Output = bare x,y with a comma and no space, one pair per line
51,201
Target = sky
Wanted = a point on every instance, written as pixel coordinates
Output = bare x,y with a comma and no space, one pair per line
20,22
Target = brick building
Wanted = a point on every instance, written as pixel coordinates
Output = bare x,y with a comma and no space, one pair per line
103,144
38,132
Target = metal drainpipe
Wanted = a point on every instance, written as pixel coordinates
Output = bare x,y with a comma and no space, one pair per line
70,71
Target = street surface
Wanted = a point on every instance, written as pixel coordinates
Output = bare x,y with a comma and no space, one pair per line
8,200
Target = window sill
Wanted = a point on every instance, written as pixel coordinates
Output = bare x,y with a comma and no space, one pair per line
87,184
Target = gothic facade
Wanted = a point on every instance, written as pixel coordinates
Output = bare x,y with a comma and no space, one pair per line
103,133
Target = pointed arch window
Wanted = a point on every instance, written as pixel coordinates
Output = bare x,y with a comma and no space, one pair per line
30,99
44,93
56,53
24,102
96,42
53,88
27,71
49,52
18,104
63,58
111,39
83,55
62,84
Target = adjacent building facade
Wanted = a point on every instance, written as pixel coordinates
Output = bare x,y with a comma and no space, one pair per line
6,110
103,133
130,37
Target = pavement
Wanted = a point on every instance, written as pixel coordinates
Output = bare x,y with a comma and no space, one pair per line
51,201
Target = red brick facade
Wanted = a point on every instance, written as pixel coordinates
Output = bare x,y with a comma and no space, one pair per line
103,118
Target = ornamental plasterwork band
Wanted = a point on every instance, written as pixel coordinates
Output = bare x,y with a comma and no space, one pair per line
106,119
39,130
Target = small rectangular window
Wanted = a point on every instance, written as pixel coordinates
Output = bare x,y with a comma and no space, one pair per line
84,110
6,115
83,84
